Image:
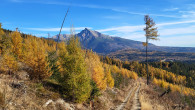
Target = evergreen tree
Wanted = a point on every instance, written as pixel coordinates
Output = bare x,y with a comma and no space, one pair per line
54,60
75,79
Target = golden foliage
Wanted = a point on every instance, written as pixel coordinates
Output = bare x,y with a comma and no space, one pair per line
62,53
95,67
36,58
1,31
174,88
8,63
144,43
125,72
4,42
165,75
62,48
16,44
110,80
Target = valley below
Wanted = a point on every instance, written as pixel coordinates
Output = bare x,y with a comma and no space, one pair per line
153,56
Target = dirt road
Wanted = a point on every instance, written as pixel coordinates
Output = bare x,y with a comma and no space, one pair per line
132,95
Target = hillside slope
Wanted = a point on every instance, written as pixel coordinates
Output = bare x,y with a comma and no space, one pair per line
22,93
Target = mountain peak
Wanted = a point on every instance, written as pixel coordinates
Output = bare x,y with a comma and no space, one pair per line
87,29
88,32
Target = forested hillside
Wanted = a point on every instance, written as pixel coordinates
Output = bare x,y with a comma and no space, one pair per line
153,56
179,68
176,82
80,73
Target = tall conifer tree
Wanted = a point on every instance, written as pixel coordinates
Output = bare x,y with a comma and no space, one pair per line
75,79
151,34
16,40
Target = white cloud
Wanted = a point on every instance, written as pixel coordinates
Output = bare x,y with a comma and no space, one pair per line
171,9
134,36
176,35
177,31
123,29
142,14
56,29
40,35
129,29
190,6
181,41
175,23
188,14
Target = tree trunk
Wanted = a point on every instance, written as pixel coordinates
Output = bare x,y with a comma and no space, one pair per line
147,60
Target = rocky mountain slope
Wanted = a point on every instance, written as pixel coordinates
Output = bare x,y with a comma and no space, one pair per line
105,44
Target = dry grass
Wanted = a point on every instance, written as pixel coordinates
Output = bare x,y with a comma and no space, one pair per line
146,106
148,103
2,100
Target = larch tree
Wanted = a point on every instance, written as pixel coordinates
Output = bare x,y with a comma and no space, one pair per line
151,33
75,79
1,39
5,42
8,61
16,40
95,68
110,80
1,30
36,58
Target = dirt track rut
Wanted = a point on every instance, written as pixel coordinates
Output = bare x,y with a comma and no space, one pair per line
134,92
136,102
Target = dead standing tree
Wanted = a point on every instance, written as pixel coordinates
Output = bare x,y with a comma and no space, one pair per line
61,28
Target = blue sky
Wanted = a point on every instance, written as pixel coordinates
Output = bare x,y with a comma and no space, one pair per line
175,19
